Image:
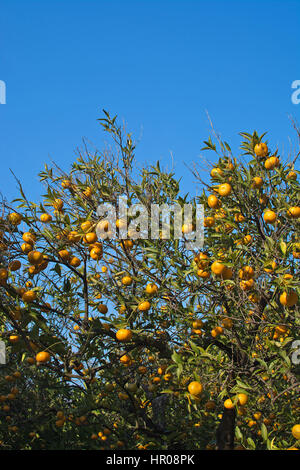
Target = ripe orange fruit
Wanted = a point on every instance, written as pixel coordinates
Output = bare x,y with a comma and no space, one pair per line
144,306
218,268
270,217
35,257
3,274
29,296
195,388
247,239
59,423
75,262
15,218
125,359
66,183
288,299
127,280
124,335
26,248
292,175
128,244
294,212
213,202
247,285
42,357
64,255
90,237
14,338
228,404
197,324
242,399
96,253
203,274
151,288
122,396
239,217
216,172
202,260
74,236
257,182
246,273
209,222
271,163
85,226
29,237
218,330
224,189
261,149
45,218
296,431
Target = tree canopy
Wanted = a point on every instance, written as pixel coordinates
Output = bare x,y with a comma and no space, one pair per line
145,343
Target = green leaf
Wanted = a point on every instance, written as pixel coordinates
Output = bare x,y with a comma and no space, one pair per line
251,443
238,434
283,247
264,432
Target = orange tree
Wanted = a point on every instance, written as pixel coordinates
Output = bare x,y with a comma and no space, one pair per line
142,343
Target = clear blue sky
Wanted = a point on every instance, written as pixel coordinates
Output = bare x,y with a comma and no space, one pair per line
157,64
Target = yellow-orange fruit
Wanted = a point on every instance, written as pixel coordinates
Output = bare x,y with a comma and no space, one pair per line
213,202
261,149
144,306
289,299
124,335
216,172
294,212
228,404
151,288
29,296
45,218
29,237
257,182
127,280
35,257
224,189
90,237
195,388
15,218
270,217
43,357
218,268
